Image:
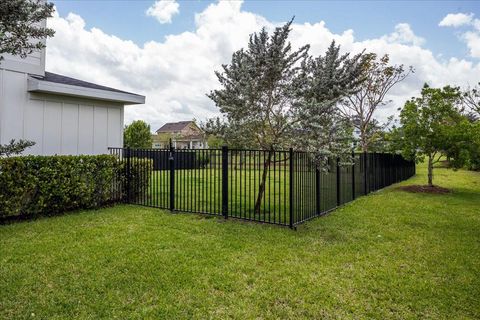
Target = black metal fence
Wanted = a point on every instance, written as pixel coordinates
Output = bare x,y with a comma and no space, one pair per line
278,187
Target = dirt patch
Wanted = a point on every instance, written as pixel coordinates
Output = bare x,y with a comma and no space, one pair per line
425,189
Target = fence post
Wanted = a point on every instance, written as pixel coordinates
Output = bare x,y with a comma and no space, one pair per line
290,187
171,160
127,175
365,173
317,186
225,181
338,182
353,174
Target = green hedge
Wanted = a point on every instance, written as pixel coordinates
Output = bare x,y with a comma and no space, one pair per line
44,185
140,176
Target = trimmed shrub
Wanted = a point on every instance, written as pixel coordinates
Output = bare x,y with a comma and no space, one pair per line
140,175
45,185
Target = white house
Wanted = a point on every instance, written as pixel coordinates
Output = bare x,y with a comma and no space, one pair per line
60,114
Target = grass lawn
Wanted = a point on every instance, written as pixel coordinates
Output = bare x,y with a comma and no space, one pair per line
199,190
391,254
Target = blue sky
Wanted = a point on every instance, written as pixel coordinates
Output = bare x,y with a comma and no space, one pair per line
170,56
368,19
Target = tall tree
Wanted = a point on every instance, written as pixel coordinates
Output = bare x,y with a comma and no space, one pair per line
325,80
471,99
270,95
20,33
137,135
432,126
258,89
258,94
360,107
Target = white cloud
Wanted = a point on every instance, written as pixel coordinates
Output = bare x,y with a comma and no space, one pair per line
175,74
471,38
473,43
476,24
456,20
163,10
404,34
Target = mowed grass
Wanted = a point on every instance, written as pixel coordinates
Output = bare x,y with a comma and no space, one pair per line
200,190
389,255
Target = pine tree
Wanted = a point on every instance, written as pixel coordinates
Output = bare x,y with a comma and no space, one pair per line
271,95
325,81
258,94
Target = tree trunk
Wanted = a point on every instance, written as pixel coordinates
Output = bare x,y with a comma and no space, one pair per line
363,140
261,189
430,170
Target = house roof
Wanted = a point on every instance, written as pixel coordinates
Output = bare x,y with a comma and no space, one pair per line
174,126
59,84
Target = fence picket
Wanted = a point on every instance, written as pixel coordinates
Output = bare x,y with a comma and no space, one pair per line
216,181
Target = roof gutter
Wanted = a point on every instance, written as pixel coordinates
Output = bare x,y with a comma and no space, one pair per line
36,85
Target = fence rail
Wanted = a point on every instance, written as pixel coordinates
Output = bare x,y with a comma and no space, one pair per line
278,187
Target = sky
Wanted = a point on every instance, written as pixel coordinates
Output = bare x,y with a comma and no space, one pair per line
169,50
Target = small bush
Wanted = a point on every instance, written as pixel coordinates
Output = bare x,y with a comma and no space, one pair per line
140,174
44,185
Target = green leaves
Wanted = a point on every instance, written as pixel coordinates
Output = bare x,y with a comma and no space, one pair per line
20,33
14,148
137,135
379,77
258,91
274,97
33,185
432,125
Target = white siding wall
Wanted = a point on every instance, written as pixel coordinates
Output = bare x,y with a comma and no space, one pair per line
58,124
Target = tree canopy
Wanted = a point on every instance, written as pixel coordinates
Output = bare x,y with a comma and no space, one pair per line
471,100
360,107
325,80
137,135
20,33
260,90
274,97
432,126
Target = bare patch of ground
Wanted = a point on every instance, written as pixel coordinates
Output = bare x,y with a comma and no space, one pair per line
425,189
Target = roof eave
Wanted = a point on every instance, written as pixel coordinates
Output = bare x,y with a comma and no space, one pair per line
36,85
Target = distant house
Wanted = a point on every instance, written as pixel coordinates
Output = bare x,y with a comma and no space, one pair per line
184,135
62,115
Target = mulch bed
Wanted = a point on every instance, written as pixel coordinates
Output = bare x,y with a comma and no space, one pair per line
425,189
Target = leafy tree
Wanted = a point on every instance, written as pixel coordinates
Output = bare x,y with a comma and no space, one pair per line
258,89
15,147
325,81
215,142
271,95
137,135
20,33
474,157
360,107
258,94
219,128
380,134
432,126
471,99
